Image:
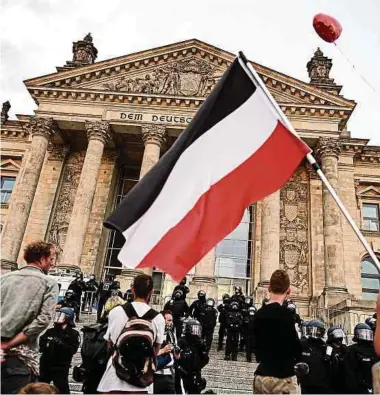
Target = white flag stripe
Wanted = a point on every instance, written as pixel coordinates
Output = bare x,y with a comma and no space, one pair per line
209,159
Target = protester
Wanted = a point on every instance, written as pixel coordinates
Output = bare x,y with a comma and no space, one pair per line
28,300
164,378
58,346
277,347
123,365
39,388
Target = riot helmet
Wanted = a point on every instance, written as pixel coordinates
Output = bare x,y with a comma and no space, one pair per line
291,306
251,310
202,296
234,306
226,299
65,315
363,332
193,328
78,274
371,322
178,294
315,329
210,302
69,294
183,281
335,334
248,301
238,290
116,285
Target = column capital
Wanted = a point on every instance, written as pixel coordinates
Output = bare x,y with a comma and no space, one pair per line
328,147
57,151
98,130
153,134
45,127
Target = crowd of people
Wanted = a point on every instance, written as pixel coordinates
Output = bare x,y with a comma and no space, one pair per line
133,348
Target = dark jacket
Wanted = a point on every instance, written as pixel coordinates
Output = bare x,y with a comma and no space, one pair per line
358,362
58,347
195,308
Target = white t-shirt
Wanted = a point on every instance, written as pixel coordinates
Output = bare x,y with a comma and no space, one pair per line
116,322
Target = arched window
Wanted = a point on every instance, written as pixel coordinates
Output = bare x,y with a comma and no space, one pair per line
370,279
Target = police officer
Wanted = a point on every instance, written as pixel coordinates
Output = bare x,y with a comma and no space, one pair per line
358,361
248,324
234,322
58,346
179,309
128,296
104,292
78,286
207,319
238,297
314,355
335,353
371,322
182,286
193,357
248,302
195,307
223,308
69,301
91,288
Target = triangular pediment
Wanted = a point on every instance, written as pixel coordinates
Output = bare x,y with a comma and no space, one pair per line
370,191
9,165
183,70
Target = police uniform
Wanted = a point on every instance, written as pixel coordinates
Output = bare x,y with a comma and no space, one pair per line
234,322
104,292
223,308
195,307
207,318
179,309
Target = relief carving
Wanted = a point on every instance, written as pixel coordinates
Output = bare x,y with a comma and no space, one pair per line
294,231
66,197
188,77
319,68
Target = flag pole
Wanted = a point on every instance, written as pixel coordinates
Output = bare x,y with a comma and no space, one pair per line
252,73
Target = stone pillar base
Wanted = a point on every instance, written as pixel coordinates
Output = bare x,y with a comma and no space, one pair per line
126,277
206,284
8,266
302,303
260,293
334,295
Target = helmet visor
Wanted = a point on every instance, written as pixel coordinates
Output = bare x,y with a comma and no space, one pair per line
365,334
196,330
315,332
60,318
210,302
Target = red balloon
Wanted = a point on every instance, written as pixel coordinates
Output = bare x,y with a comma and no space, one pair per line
327,27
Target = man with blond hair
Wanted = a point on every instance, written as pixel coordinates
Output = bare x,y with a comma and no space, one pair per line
28,300
277,346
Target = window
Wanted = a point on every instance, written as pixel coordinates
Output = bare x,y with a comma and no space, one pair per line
370,279
233,253
371,217
128,179
7,185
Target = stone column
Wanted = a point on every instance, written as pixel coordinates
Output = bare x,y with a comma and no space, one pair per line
270,242
98,133
41,130
204,277
328,151
153,136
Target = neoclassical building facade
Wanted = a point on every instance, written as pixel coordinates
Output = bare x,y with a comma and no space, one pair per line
100,126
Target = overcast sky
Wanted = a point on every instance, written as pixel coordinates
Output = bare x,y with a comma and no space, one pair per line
37,35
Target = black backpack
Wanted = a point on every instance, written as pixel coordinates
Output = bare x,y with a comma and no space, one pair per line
133,358
94,347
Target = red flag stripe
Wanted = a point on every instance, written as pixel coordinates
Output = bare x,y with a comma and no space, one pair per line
203,226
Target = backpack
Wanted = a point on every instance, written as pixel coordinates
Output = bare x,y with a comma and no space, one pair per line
133,358
94,347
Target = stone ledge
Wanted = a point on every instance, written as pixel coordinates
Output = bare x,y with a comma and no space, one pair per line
371,233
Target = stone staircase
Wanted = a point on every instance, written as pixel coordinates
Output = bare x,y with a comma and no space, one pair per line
223,377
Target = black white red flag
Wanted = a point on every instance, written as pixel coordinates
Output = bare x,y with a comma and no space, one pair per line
234,152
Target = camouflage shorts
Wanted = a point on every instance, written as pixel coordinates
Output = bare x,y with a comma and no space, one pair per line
274,385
